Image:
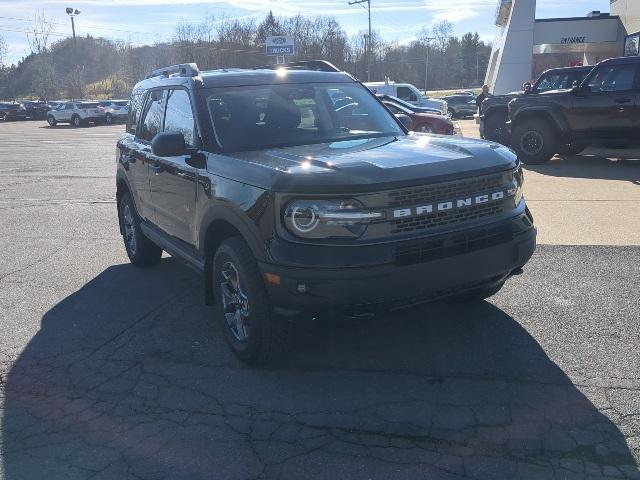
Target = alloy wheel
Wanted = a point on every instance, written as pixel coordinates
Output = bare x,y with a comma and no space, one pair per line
532,142
129,229
235,303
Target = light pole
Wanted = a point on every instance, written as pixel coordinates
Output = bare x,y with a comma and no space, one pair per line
368,43
72,12
426,63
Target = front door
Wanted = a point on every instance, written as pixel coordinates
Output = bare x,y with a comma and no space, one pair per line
608,112
173,180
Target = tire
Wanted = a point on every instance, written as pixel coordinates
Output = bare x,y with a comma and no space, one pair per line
141,251
452,112
478,294
51,121
495,129
535,142
108,119
424,128
572,149
76,121
254,334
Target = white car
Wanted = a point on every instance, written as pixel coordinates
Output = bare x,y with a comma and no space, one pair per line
115,110
408,93
76,113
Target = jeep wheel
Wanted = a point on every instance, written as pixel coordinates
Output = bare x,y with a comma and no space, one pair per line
141,251
495,129
254,334
108,119
51,121
76,121
535,142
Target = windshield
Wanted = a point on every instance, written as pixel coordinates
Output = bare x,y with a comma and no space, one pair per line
255,117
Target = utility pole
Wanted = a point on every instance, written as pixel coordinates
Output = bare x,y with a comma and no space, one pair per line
426,63
368,43
72,12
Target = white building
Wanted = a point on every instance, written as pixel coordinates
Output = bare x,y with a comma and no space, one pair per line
526,46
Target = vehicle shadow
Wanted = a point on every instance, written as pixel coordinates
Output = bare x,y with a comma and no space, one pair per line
129,377
592,167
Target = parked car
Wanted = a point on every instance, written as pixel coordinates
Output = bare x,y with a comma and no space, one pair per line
36,110
408,93
494,110
12,111
115,110
604,110
461,106
77,114
292,215
423,122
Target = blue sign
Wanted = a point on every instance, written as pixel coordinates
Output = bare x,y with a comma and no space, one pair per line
280,45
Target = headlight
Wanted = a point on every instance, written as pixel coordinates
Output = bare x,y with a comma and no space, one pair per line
338,218
516,189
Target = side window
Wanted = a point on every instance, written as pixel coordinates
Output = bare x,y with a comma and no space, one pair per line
405,93
393,108
616,78
153,115
134,111
179,117
69,106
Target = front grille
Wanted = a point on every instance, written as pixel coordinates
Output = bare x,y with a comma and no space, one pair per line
451,245
444,191
448,217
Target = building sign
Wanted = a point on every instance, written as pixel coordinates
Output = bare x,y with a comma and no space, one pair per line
572,40
632,45
280,45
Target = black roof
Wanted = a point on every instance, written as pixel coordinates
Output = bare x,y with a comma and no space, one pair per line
621,61
581,68
244,77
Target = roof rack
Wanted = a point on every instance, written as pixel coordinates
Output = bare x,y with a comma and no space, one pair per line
316,65
183,70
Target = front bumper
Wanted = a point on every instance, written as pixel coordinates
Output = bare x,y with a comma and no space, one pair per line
446,270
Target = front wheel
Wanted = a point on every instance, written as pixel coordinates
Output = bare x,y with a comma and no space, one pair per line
51,121
76,121
108,119
254,334
535,142
141,251
495,129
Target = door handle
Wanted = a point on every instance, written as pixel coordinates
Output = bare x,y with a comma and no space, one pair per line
623,100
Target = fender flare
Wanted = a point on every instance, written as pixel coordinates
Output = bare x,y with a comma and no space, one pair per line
556,117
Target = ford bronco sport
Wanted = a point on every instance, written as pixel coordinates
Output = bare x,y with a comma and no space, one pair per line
294,208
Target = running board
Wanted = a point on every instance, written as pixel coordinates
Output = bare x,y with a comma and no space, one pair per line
172,247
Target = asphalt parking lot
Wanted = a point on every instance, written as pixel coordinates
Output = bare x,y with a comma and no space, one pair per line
111,372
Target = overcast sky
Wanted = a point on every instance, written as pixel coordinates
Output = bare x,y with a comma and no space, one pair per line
146,21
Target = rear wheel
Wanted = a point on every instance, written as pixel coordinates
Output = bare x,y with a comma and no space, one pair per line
452,112
141,251
535,142
108,119
252,331
76,121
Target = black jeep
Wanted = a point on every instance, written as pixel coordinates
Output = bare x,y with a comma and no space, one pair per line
294,207
604,110
494,110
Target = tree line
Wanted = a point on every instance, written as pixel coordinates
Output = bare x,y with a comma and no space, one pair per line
97,67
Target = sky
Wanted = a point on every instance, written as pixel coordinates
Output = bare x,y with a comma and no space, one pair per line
148,21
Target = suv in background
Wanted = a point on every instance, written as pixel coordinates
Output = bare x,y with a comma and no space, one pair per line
12,111
461,106
294,207
36,110
494,110
77,114
604,110
115,110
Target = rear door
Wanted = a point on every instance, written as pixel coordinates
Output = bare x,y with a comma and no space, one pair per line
172,179
609,110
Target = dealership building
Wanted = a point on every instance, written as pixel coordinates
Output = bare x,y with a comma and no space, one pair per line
525,46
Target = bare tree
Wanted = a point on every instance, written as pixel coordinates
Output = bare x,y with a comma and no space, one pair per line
442,32
40,33
3,50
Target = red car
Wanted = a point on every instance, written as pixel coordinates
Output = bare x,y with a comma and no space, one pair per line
422,122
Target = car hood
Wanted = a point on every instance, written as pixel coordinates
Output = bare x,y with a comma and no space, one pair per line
365,164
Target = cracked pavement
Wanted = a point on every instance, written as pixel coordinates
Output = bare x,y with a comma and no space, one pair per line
112,372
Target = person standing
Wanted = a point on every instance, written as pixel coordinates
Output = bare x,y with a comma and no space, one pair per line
485,94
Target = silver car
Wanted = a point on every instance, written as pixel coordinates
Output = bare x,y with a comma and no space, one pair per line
77,114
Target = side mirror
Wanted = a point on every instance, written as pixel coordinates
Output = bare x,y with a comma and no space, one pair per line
405,120
168,144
